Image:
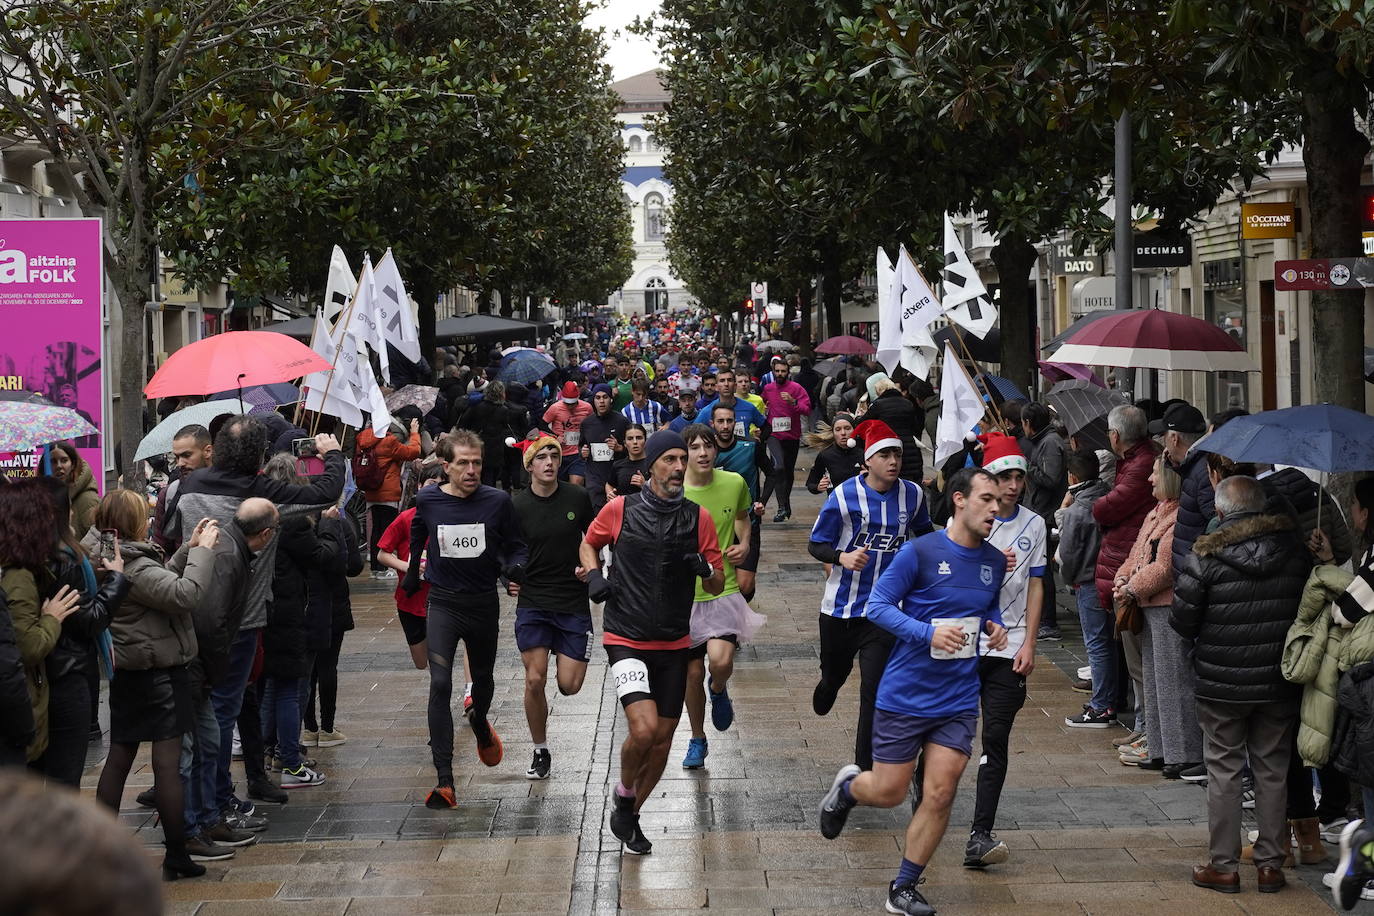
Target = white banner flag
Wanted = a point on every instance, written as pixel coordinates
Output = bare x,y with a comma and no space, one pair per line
961,408
339,287
363,321
337,403
919,307
889,315
966,298
393,307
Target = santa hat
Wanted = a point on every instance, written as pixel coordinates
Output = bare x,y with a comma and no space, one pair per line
876,436
532,447
1001,453
571,392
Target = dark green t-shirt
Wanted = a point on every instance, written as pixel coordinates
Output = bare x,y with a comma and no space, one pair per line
553,530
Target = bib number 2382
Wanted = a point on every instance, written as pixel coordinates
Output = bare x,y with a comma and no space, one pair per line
630,675
462,542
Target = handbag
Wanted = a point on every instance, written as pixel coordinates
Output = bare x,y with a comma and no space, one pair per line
1129,619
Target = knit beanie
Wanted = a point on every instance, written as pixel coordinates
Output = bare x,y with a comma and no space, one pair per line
602,388
872,385
1002,453
660,442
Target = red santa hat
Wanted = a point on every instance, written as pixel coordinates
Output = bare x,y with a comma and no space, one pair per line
532,447
876,436
1001,453
571,392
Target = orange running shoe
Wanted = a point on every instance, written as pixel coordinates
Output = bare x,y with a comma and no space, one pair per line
467,706
490,752
441,797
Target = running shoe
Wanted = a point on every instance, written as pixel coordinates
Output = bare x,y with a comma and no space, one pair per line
1091,718
240,806
823,698
1333,879
490,750
302,777
309,738
1132,738
984,849
906,899
834,806
1331,830
540,766
638,844
330,739
383,574
696,754
252,823
1048,634
467,705
722,709
1082,685
440,798
623,821
781,516
1356,866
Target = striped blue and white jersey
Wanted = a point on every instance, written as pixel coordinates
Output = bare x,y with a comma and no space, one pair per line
854,515
650,416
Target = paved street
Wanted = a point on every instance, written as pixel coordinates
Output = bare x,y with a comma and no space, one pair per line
1087,835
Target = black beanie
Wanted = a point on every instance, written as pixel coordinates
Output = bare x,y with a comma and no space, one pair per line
660,442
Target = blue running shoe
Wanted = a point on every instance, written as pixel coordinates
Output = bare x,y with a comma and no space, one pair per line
696,754
722,710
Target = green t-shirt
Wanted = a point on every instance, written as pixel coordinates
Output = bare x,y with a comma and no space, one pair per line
727,498
622,394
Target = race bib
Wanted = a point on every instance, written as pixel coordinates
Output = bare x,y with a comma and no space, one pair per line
462,542
601,451
739,429
630,675
572,437
970,627
782,424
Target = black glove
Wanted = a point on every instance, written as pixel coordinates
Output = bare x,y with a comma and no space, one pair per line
411,583
598,589
696,562
515,573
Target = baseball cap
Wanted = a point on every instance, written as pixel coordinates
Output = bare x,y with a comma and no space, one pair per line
1183,418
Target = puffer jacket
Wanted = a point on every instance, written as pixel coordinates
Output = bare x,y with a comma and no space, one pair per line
906,420
1305,497
1149,570
391,453
1121,512
1310,654
1047,478
1236,597
84,498
16,712
1352,746
35,633
1196,504
73,652
303,550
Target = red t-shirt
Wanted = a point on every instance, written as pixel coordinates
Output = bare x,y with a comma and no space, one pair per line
396,539
606,528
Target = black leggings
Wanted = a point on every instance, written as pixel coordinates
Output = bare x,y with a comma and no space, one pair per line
69,729
382,516
842,639
1003,695
168,794
474,619
324,680
781,479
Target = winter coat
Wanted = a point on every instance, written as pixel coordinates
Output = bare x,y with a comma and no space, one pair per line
1303,495
328,610
16,711
1311,653
391,453
1196,504
1079,536
217,619
1357,603
1047,477
280,432
1352,745
302,551
35,633
906,420
1149,570
79,631
1236,597
84,498
1120,513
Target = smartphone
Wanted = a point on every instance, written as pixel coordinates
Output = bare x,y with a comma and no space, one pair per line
107,543
303,448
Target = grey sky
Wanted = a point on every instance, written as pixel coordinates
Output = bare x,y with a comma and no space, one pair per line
627,54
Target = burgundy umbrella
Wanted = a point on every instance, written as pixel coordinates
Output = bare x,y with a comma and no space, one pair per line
1155,339
846,345
1062,372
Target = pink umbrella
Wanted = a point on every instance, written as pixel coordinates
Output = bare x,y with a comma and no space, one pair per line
234,359
1062,372
1155,339
847,345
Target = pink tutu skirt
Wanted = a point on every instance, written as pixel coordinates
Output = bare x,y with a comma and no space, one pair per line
728,615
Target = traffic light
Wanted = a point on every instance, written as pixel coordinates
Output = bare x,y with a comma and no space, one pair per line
1367,209
749,305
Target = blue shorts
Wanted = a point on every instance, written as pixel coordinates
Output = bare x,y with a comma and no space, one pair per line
898,738
570,635
572,466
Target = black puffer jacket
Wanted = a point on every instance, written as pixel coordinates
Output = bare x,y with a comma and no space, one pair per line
329,609
74,649
1352,744
1236,596
907,421
1302,495
1196,505
301,551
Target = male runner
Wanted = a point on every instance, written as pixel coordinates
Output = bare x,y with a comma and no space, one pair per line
1002,672
859,530
788,404
603,441
936,597
564,419
719,621
748,415
661,543
748,458
551,611
471,537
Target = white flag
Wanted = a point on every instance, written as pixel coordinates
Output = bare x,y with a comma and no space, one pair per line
393,307
325,348
328,391
376,403
339,401
966,298
339,287
889,316
364,322
919,308
961,407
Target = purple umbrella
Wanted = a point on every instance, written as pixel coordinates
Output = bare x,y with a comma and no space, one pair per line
1062,372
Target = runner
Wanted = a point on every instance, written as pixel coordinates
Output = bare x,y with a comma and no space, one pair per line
936,597
628,473
788,404
719,622
661,543
551,610
641,410
603,441
748,414
472,537
564,419
862,524
747,458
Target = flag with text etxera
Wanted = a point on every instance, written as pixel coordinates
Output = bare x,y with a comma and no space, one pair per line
961,407
918,308
339,287
889,315
393,307
966,300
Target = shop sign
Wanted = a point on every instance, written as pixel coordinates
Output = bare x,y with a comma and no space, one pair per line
1268,221
1159,249
1066,259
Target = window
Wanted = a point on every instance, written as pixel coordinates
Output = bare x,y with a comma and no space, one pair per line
654,222
651,144
655,295
636,145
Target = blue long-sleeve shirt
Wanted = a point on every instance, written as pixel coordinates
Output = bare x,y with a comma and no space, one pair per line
467,541
933,577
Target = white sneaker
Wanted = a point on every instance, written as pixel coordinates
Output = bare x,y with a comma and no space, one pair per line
1330,879
1331,830
1085,673
302,777
236,751
384,574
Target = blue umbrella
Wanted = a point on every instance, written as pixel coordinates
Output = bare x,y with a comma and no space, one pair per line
1322,437
523,367
263,396
1004,388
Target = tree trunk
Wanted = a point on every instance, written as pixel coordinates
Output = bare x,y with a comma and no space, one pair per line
804,297
1015,257
507,301
131,276
830,281
426,299
484,301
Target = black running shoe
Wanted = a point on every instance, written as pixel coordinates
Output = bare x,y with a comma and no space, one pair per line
823,698
906,899
623,821
638,844
984,849
540,766
834,808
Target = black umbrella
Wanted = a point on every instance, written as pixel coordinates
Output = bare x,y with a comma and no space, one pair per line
987,349
1081,404
1059,339
830,367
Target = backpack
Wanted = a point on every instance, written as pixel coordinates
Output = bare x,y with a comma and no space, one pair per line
368,472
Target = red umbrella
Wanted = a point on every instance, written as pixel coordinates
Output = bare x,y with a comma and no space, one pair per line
1062,372
235,359
1155,339
847,346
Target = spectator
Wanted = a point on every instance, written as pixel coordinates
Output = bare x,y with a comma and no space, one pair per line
887,403
1235,598
68,467
191,450
16,712
1046,483
383,491
1181,427
329,615
1079,541
1310,502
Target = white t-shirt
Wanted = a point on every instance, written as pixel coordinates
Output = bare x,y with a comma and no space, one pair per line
1023,533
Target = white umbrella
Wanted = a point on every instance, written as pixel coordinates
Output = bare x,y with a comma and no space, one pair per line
576,335
159,441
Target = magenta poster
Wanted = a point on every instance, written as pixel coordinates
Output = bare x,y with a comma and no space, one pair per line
50,309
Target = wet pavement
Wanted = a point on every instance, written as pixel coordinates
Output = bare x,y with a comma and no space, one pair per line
1087,835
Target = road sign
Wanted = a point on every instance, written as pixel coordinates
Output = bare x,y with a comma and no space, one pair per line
759,293
1324,274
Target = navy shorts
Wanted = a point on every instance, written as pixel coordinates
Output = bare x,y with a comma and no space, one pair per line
570,635
898,738
572,466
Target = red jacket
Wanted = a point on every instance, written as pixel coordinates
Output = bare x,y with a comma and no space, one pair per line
1120,513
391,453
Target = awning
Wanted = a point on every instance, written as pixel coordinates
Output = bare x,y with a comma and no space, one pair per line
489,327
299,328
